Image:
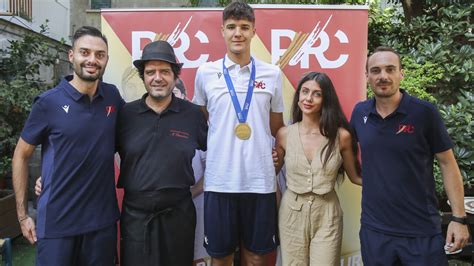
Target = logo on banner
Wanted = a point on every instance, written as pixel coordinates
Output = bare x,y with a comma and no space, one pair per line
302,45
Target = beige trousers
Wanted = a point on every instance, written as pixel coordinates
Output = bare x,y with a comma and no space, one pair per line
310,229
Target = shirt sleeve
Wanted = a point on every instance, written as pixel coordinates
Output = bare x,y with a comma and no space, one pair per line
36,126
203,128
438,137
277,99
199,97
352,121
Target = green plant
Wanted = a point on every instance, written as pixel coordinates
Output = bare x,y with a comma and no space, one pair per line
442,35
20,83
458,118
381,22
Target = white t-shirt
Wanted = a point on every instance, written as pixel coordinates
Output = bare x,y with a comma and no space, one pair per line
235,165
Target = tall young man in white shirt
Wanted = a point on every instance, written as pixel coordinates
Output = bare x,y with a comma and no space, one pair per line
242,97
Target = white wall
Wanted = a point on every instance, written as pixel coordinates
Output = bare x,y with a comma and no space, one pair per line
57,12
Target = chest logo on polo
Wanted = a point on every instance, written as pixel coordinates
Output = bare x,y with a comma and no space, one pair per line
219,75
109,109
405,128
179,134
65,108
259,85
365,119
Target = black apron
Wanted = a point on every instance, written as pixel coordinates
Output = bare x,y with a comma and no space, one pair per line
157,228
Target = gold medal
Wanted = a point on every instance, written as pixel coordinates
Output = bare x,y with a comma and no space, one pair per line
243,131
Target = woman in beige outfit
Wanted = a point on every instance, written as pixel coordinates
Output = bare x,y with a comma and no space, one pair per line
317,148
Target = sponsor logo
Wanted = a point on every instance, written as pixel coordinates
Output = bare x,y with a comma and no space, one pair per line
259,85
65,108
303,45
179,134
408,129
109,109
365,119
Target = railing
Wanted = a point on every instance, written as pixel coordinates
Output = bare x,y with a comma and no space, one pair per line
22,8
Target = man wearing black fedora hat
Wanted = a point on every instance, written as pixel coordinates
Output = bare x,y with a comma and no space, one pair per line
157,138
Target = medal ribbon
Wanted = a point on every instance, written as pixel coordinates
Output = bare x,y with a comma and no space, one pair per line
241,112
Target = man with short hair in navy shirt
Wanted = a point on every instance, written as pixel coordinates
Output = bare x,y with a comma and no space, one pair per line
75,125
399,136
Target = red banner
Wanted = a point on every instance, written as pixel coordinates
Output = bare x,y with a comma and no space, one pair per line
303,38
307,38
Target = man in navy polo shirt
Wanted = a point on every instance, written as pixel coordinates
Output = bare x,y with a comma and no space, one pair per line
75,125
399,136
157,138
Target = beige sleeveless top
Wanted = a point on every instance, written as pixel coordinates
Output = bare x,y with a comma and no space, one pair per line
303,176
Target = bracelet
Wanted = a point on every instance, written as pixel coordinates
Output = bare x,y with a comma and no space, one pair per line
23,218
461,220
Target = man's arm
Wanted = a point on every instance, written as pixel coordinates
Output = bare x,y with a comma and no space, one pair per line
22,155
198,188
349,159
457,234
276,122
206,113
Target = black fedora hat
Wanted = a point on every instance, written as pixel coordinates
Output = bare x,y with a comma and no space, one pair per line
157,50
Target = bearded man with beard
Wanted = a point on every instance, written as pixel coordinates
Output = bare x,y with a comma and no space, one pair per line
75,125
157,137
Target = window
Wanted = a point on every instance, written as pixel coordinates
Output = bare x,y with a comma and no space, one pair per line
22,8
98,4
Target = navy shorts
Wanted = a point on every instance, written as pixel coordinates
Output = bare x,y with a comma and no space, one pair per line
382,249
231,219
93,248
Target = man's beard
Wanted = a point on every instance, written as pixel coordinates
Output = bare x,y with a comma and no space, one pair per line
89,77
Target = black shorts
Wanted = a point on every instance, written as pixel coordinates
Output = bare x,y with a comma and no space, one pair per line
231,219
93,248
381,249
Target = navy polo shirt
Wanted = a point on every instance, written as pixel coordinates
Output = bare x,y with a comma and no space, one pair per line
156,150
77,136
398,192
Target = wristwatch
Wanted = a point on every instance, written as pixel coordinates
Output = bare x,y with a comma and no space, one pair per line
461,220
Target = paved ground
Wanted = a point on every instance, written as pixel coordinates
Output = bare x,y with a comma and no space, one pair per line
24,255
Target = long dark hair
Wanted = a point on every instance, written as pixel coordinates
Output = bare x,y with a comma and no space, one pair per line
332,117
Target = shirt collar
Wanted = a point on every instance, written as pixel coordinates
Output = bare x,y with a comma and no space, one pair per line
406,98
174,105
402,107
74,93
231,64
